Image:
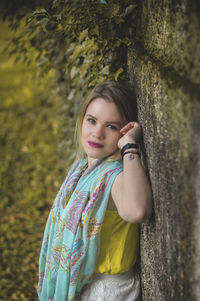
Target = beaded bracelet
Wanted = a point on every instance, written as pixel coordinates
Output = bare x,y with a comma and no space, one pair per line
127,146
131,152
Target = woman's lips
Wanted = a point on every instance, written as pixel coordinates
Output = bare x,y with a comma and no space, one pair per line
94,144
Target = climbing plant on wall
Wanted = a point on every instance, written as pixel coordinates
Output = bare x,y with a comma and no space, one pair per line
83,41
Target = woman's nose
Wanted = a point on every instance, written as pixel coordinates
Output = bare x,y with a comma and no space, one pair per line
98,132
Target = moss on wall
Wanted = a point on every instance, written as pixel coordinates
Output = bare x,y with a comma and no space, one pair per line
169,31
169,111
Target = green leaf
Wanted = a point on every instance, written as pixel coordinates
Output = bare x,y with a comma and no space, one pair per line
73,72
114,10
83,70
83,35
119,71
78,50
130,8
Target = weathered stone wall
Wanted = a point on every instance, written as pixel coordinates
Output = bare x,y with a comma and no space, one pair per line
164,66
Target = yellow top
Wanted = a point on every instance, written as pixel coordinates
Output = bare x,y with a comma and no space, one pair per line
119,244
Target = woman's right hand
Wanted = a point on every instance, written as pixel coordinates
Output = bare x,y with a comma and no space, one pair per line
131,133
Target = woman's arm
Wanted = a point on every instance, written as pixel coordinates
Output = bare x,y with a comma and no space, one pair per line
131,190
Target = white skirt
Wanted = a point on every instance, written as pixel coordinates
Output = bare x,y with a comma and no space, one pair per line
120,287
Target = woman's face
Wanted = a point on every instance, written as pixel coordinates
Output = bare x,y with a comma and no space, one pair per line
101,129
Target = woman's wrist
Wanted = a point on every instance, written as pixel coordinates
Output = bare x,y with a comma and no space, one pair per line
131,147
130,141
131,153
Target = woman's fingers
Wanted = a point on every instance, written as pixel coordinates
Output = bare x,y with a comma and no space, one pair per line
130,132
127,127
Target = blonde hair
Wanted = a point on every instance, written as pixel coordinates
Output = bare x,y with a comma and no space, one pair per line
119,94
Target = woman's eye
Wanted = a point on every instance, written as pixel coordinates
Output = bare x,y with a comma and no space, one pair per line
112,127
91,120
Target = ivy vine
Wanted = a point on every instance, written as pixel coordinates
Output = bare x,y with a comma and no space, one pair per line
84,42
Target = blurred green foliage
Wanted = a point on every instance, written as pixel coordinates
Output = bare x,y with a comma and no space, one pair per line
33,165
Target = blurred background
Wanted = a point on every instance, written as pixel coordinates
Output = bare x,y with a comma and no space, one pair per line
33,164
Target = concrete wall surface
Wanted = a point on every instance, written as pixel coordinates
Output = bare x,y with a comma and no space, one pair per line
164,66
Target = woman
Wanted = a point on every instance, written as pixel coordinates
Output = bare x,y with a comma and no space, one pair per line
90,242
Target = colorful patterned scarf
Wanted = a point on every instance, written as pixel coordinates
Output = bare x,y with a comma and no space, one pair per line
72,235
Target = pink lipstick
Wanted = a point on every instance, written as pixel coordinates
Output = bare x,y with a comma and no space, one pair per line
94,144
